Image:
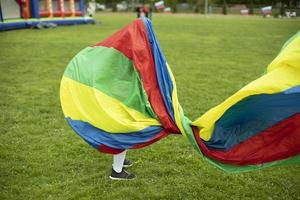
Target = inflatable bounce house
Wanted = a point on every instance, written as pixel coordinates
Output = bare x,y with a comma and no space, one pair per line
16,14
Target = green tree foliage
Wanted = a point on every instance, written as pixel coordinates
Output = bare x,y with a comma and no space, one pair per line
172,4
199,4
224,11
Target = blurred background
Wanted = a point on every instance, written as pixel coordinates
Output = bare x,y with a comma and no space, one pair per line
277,8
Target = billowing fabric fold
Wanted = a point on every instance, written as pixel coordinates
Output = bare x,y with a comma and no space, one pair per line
121,94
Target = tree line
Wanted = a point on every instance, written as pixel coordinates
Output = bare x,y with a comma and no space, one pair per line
197,4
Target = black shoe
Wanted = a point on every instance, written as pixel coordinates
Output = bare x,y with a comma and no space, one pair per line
127,163
123,175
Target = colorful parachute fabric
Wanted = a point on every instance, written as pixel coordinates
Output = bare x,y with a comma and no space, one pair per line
120,94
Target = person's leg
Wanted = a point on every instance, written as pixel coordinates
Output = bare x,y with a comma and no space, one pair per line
117,168
118,161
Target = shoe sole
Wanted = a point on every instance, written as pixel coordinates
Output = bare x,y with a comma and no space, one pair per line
126,166
120,179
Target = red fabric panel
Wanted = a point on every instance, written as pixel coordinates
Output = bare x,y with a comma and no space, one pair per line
133,42
106,149
275,143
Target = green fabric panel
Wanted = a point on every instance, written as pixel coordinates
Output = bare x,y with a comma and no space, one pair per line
109,71
238,169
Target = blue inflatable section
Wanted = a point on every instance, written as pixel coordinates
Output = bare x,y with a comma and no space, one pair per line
11,25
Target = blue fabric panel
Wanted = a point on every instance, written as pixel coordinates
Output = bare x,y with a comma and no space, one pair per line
95,136
293,90
162,73
253,115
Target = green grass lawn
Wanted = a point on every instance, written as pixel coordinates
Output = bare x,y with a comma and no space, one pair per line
212,57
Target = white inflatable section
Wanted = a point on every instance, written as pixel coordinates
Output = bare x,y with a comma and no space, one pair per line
10,9
42,5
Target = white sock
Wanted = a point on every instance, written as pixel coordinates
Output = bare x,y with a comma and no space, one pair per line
118,161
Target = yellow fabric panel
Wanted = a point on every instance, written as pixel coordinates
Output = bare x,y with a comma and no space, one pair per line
283,73
99,109
175,103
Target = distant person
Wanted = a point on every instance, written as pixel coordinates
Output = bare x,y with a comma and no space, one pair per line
138,11
143,11
91,9
146,11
